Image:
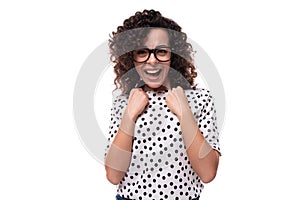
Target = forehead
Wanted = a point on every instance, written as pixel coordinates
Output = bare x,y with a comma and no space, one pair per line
156,37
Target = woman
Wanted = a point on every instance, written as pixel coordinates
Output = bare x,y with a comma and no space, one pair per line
163,134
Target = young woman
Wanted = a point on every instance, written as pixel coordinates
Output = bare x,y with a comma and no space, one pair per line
163,140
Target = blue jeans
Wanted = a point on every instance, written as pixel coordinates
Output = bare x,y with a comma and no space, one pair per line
118,197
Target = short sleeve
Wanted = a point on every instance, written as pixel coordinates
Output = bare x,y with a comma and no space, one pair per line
119,104
207,118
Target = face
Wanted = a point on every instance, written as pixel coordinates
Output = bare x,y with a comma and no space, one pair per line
154,71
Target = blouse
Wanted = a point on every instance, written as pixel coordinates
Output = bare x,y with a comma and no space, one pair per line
160,168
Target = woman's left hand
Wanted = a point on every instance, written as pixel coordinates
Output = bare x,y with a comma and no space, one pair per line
177,101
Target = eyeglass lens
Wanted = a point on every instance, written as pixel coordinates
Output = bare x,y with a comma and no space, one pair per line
162,54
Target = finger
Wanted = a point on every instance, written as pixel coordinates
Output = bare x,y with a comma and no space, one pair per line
179,93
132,92
169,97
139,89
179,88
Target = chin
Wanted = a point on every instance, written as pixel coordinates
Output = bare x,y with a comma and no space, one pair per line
156,86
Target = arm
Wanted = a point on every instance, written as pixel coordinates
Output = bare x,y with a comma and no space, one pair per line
118,157
202,157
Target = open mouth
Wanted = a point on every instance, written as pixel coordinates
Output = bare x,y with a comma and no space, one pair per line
155,72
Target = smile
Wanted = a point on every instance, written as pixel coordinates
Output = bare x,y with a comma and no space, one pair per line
153,72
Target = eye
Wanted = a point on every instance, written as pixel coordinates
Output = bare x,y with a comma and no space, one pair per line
141,52
162,52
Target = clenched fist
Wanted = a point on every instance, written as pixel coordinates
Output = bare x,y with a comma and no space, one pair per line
177,101
137,102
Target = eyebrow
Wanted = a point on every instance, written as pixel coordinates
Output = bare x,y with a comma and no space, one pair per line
159,46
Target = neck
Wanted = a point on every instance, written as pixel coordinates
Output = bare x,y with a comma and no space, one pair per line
161,88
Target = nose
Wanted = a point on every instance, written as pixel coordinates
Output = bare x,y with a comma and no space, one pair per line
152,59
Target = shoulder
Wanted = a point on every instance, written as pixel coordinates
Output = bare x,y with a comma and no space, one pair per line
119,103
199,99
119,98
198,93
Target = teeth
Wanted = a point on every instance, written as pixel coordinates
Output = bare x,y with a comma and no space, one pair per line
152,71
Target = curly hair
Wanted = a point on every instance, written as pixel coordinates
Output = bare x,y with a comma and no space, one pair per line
132,34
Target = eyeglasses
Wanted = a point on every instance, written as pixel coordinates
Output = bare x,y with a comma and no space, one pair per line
161,53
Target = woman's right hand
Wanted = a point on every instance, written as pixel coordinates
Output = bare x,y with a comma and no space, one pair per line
137,102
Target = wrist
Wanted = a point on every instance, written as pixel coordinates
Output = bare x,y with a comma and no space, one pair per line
128,123
133,117
188,126
185,111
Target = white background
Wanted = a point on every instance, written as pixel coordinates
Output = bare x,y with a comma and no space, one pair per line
43,44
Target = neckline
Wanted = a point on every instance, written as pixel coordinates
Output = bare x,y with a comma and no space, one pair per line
161,89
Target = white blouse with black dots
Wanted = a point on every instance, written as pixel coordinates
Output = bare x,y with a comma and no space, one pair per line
159,167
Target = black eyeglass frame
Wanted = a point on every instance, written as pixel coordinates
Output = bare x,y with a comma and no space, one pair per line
150,51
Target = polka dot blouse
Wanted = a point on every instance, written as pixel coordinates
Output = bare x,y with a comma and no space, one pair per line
159,167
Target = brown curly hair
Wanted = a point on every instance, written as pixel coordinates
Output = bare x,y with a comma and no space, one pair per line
132,34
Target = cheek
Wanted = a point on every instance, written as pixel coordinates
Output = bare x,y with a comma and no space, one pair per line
138,69
166,64
167,67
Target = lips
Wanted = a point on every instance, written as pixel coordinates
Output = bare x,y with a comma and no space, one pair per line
153,75
153,72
